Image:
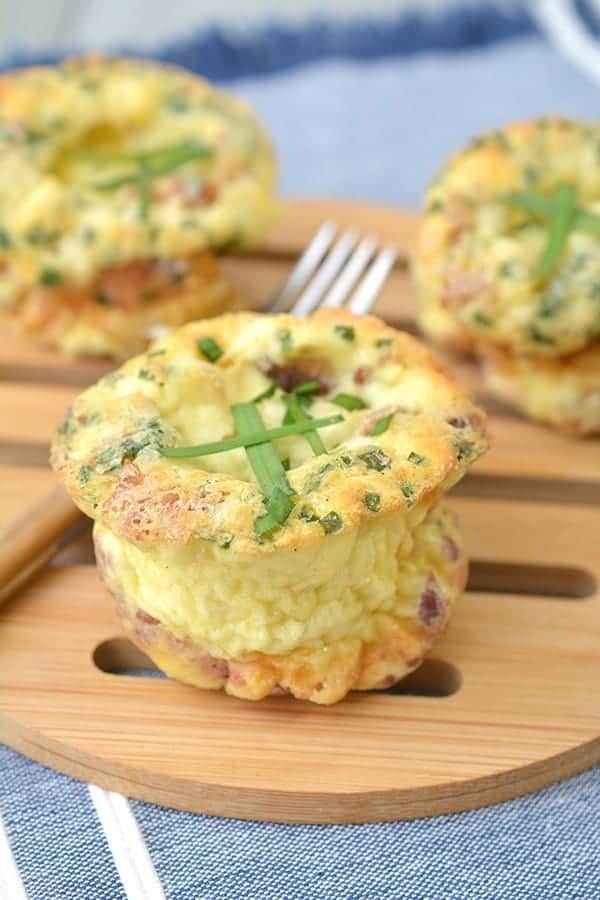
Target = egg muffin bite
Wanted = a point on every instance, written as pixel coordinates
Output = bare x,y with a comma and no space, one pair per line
121,180
266,495
562,392
508,260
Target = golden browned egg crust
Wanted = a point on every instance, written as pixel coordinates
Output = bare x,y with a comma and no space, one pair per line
562,392
477,270
356,581
121,178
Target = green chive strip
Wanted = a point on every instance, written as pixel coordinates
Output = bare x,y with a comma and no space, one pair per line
533,203
545,207
266,465
145,190
251,438
152,164
382,425
266,393
349,402
307,388
587,221
265,524
558,230
295,413
156,162
268,469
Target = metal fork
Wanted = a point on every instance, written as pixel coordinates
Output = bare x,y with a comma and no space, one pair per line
328,271
325,276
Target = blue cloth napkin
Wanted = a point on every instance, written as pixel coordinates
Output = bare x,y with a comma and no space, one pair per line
364,110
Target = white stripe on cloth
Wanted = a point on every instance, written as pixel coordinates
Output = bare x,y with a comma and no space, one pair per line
561,24
136,871
11,886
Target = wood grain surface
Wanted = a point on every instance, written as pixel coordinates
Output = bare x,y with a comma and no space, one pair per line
509,702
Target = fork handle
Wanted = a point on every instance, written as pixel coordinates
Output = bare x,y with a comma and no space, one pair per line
32,537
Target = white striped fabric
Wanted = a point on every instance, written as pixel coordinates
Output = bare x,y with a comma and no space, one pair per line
11,886
136,871
562,25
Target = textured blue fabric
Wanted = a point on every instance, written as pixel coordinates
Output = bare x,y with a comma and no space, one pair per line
226,55
543,846
375,129
379,131
57,841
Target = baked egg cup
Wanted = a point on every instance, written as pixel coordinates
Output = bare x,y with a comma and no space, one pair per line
316,557
121,181
507,266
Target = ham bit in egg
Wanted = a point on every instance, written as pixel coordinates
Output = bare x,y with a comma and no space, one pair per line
432,605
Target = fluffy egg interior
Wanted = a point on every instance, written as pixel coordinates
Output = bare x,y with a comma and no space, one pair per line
341,595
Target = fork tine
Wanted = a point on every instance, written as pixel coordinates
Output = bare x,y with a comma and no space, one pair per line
305,267
366,294
313,293
350,273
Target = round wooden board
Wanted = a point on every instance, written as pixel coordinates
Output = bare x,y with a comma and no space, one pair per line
518,668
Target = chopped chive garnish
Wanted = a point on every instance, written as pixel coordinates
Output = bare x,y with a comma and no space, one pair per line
531,202
537,335
145,375
384,342
376,459
250,438
587,221
295,413
315,479
84,474
157,352
279,505
50,277
209,349
481,319
286,464
307,388
331,523
38,234
564,216
409,492
416,459
286,341
346,332
151,164
349,402
267,468
267,393
558,231
372,502
265,524
463,451
382,425
307,515
5,241
144,183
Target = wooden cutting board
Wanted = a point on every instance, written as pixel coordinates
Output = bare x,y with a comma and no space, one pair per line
508,703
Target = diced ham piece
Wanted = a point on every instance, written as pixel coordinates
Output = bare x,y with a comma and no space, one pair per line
432,605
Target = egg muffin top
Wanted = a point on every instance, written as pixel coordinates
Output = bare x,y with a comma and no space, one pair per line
110,160
509,248
324,421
